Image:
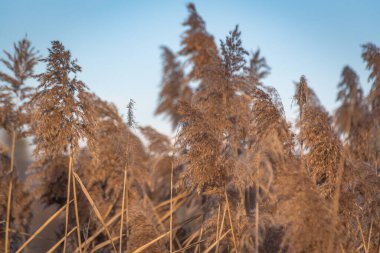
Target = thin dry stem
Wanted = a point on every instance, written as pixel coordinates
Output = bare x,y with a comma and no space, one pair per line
198,248
100,230
364,244
217,229
223,218
9,202
76,209
92,203
230,219
104,244
55,246
122,211
369,236
171,207
67,203
42,227
147,245
220,238
257,220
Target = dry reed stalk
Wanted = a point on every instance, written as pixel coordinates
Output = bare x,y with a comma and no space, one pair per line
55,246
171,194
222,225
174,208
341,248
104,244
76,211
145,232
191,238
369,236
171,207
9,202
257,212
14,231
363,244
109,210
99,231
147,245
122,210
51,218
366,244
230,220
67,203
198,248
217,229
220,238
127,196
178,197
126,182
92,203
188,246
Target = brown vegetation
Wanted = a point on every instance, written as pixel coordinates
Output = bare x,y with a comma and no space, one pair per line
237,177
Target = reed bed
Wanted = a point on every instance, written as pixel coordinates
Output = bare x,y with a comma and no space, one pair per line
237,176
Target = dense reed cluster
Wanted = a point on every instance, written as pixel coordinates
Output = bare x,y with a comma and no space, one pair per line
235,177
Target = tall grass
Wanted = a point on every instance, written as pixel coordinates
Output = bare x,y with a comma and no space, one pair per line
238,177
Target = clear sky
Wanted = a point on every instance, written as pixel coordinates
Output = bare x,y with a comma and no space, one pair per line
117,42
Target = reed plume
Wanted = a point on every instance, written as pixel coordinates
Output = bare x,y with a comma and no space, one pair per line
350,94
60,112
13,97
247,179
197,44
258,68
174,87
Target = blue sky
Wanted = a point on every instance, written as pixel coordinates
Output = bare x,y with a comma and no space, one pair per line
117,42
